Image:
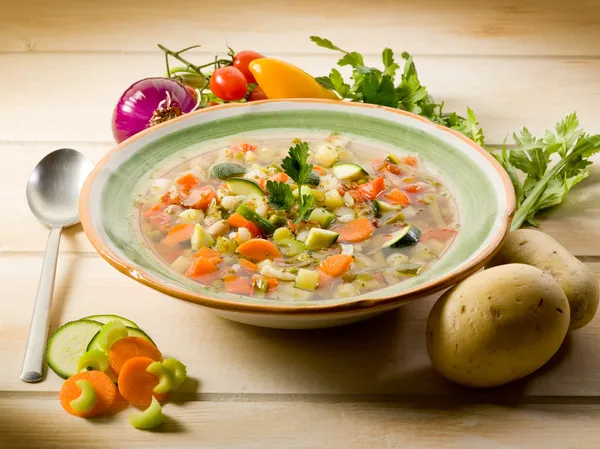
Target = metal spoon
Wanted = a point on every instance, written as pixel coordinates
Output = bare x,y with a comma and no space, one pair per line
53,195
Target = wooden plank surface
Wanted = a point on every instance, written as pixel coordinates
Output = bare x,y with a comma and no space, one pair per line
31,422
506,94
383,356
533,27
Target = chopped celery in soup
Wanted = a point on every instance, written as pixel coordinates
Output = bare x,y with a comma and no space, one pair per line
299,220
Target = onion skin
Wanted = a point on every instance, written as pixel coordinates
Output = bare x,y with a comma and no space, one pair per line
138,104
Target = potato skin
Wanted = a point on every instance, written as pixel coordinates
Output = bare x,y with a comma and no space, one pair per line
535,248
497,326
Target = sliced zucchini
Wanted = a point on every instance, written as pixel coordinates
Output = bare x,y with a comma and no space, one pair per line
67,344
131,332
179,371
408,268
106,318
290,247
263,224
242,186
201,238
313,179
349,172
381,207
321,216
227,170
149,418
307,279
87,398
320,238
407,236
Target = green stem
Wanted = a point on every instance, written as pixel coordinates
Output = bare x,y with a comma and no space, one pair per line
537,191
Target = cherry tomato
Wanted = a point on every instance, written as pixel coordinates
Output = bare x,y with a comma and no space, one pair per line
228,83
257,94
243,59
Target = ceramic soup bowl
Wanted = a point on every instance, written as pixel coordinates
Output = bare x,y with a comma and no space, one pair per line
483,193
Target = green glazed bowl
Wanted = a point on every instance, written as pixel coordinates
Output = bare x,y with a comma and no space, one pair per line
483,192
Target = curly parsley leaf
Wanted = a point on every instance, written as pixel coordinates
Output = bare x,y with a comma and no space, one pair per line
280,195
296,165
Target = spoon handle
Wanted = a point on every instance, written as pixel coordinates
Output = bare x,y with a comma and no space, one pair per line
38,332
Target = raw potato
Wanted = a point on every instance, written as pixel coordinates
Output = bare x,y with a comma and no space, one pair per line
574,277
497,326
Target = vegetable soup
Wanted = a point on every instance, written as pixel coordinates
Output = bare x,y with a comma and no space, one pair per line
292,219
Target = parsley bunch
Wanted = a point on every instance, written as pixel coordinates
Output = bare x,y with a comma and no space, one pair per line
296,166
372,85
538,183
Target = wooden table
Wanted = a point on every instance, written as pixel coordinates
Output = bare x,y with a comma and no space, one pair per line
63,65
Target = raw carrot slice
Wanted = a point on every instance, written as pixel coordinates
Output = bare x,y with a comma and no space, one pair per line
398,197
186,183
179,233
136,384
237,221
238,285
200,198
355,231
209,254
104,388
336,265
258,250
320,170
368,191
200,266
248,265
129,347
281,177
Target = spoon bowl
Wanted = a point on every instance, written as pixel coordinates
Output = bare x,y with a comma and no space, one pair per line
54,185
53,196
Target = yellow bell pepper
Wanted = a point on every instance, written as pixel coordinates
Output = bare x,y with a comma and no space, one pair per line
280,79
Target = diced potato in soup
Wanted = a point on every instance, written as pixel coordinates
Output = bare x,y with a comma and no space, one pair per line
233,220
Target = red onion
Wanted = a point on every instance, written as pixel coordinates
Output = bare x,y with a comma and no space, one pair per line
148,102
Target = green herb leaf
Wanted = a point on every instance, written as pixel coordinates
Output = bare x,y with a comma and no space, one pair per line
326,43
280,195
296,165
305,207
389,64
379,90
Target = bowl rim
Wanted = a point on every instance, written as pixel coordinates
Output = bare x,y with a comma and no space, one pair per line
442,282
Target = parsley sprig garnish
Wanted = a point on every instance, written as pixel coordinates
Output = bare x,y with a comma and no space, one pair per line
372,85
296,166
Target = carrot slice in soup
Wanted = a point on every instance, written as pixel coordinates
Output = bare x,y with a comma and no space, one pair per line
368,191
248,265
398,197
411,160
237,221
187,182
200,198
281,177
136,384
438,234
320,170
104,388
336,265
238,285
355,231
157,217
209,254
258,250
129,347
200,266
179,233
